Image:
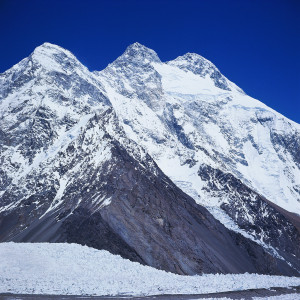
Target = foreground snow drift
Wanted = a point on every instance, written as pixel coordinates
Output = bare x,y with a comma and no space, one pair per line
73,269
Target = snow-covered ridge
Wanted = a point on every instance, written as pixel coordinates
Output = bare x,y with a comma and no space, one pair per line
241,134
70,269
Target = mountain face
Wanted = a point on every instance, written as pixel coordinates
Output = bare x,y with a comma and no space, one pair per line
168,164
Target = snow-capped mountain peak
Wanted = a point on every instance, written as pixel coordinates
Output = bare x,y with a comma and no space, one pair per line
133,75
51,57
138,54
64,157
199,65
50,49
190,59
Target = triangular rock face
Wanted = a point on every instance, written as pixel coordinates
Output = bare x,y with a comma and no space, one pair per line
71,173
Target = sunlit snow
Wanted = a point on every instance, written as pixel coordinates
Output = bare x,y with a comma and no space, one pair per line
65,269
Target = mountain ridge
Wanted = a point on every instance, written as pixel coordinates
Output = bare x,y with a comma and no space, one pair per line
183,119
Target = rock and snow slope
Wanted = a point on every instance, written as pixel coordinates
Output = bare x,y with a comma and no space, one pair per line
212,140
187,107
75,163
70,269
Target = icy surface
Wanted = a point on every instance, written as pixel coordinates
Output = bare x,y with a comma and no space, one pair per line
73,269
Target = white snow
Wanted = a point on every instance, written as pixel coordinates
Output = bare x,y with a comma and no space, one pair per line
70,269
57,200
179,81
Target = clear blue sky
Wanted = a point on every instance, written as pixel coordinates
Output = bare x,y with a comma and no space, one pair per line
255,43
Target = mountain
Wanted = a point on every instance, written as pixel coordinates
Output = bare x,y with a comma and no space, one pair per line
168,164
228,151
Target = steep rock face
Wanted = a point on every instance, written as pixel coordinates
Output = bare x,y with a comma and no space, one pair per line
133,76
75,163
43,97
253,213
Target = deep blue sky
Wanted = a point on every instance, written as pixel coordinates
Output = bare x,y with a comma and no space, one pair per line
255,43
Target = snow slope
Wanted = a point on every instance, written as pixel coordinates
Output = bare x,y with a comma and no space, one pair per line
70,269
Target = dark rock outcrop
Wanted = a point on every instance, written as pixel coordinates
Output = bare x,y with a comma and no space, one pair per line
256,215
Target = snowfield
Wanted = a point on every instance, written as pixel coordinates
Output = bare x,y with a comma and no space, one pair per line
71,269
